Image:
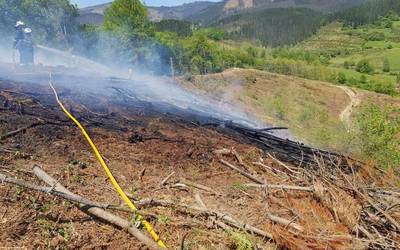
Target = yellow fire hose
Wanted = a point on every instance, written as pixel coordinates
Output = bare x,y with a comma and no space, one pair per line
117,187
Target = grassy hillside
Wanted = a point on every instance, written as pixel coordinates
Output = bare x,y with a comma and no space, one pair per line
282,100
318,113
345,49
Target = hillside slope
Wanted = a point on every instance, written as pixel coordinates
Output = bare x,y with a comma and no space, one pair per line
178,173
316,112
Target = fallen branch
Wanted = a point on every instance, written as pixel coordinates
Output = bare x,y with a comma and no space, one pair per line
167,178
283,165
96,211
238,157
4,150
198,186
197,211
267,168
376,207
214,220
15,132
223,151
48,190
244,173
285,222
285,187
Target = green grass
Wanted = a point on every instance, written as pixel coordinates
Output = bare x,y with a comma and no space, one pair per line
307,116
241,240
345,45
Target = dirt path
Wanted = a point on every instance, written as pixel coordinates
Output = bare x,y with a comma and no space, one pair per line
354,102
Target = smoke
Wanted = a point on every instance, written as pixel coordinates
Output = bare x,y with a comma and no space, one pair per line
109,67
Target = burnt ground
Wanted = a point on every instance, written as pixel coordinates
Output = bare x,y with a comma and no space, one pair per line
355,208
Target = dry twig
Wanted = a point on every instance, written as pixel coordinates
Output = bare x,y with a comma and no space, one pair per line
284,222
244,173
285,187
198,186
163,182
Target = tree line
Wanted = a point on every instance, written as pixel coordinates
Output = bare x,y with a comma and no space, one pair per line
366,13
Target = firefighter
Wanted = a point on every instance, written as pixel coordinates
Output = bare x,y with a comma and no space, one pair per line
19,33
25,48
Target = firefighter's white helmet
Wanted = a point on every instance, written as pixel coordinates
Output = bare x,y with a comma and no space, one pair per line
19,24
27,31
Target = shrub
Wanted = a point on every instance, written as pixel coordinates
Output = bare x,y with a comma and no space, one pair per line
341,78
386,65
375,36
364,66
388,24
378,130
363,79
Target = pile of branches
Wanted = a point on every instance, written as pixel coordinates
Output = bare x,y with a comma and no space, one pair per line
370,212
286,149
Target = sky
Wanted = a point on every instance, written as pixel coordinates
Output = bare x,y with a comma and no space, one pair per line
84,3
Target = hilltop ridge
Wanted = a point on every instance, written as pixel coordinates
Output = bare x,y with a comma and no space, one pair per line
206,11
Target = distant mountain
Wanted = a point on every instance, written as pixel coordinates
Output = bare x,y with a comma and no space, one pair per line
322,5
94,14
180,12
206,12
226,8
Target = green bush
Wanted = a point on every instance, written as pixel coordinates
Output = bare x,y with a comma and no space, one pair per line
386,65
364,66
341,78
375,36
363,79
378,130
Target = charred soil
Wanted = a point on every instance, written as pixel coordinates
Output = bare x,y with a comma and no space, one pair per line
355,207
